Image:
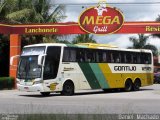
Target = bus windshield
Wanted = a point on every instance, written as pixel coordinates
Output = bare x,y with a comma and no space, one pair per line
28,68
28,65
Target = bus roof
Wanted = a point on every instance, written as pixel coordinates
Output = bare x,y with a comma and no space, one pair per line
95,45
90,45
45,44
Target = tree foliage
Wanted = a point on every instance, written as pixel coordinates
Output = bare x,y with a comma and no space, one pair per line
32,11
157,35
141,43
84,38
27,12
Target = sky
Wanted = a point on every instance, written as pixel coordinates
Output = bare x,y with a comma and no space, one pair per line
132,12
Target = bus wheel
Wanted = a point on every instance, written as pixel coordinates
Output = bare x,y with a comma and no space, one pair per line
136,85
128,85
45,93
68,88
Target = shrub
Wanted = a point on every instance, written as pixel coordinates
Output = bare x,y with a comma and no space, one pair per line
6,83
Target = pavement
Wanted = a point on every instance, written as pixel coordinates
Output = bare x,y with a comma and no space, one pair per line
145,101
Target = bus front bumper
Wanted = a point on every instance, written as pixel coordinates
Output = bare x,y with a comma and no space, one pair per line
33,88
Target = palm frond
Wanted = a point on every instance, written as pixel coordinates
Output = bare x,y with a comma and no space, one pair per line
2,6
57,14
39,18
152,48
17,15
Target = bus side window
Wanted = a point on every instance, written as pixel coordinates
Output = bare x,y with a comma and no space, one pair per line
109,56
94,56
122,57
129,58
72,55
66,55
89,56
112,58
105,57
86,55
138,58
100,56
135,61
147,58
118,60
97,57
80,55
116,57
142,58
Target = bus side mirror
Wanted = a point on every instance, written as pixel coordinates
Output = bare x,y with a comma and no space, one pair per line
40,59
12,58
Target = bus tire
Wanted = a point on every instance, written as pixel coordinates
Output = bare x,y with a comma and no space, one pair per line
136,85
68,88
128,85
45,93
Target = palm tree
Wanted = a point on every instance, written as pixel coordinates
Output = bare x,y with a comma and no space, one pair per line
141,43
83,38
4,11
28,11
37,11
157,35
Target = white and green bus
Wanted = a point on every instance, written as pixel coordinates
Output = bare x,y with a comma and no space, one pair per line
65,68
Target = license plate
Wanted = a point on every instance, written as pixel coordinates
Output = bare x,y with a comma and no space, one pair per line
26,88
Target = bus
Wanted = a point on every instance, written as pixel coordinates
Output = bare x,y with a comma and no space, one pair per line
65,68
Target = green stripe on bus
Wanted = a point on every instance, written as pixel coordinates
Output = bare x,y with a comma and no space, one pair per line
99,75
71,45
90,76
76,46
81,46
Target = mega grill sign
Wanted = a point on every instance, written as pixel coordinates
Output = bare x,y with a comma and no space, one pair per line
101,19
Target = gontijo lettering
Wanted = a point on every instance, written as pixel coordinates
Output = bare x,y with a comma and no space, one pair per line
125,68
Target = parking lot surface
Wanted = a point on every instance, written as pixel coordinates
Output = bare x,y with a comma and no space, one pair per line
147,100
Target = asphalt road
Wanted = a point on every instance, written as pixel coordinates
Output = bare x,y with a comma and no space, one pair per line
145,101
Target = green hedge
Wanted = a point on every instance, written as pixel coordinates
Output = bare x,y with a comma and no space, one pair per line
6,83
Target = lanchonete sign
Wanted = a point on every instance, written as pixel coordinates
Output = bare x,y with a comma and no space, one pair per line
101,19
